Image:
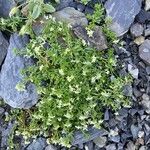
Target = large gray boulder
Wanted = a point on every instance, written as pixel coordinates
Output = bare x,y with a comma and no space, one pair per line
10,76
122,13
3,48
5,7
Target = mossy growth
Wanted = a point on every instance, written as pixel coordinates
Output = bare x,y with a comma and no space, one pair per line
75,83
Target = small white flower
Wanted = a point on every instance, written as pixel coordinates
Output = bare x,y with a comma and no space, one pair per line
89,98
70,78
83,42
61,72
90,33
94,59
46,17
93,79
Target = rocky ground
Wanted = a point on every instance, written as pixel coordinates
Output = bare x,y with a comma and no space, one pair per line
127,130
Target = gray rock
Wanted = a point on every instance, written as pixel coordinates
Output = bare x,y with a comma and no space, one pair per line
100,141
10,76
106,115
133,70
130,146
79,137
90,145
97,39
50,147
3,48
111,147
134,130
144,51
127,90
38,144
146,102
147,32
136,30
63,4
148,70
139,40
71,16
119,10
5,7
115,139
2,110
143,148
147,5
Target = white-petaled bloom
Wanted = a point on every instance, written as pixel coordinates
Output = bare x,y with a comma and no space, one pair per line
87,63
77,89
66,51
84,72
51,29
94,59
61,72
98,76
93,79
90,33
50,16
71,88
69,26
46,17
83,42
70,78
41,67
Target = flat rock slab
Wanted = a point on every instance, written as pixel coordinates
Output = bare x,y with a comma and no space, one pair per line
122,13
92,133
144,51
5,7
97,39
10,76
3,47
71,16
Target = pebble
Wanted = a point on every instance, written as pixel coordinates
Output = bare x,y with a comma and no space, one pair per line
2,110
100,141
147,5
147,32
148,70
133,70
111,147
134,130
50,147
139,40
136,30
130,146
80,7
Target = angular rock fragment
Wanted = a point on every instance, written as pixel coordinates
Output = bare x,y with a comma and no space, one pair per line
79,137
10,76
122,13
3,48
71,16
144,51
5,7
136,29
97,39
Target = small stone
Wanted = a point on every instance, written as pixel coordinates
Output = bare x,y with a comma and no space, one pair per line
89,10
97,40
38,144
80,7
50,147
141,134
144,51
119,10
71,16
134,130
63,4
133,70
115,139
106,115
143,148
127,90
147,5
2,110
136,30
146,102
111,147
100,141
130,146
137,93
143,16
147,32
148,70
139,40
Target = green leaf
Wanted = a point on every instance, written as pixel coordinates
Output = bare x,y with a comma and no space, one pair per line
49,8
36,11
